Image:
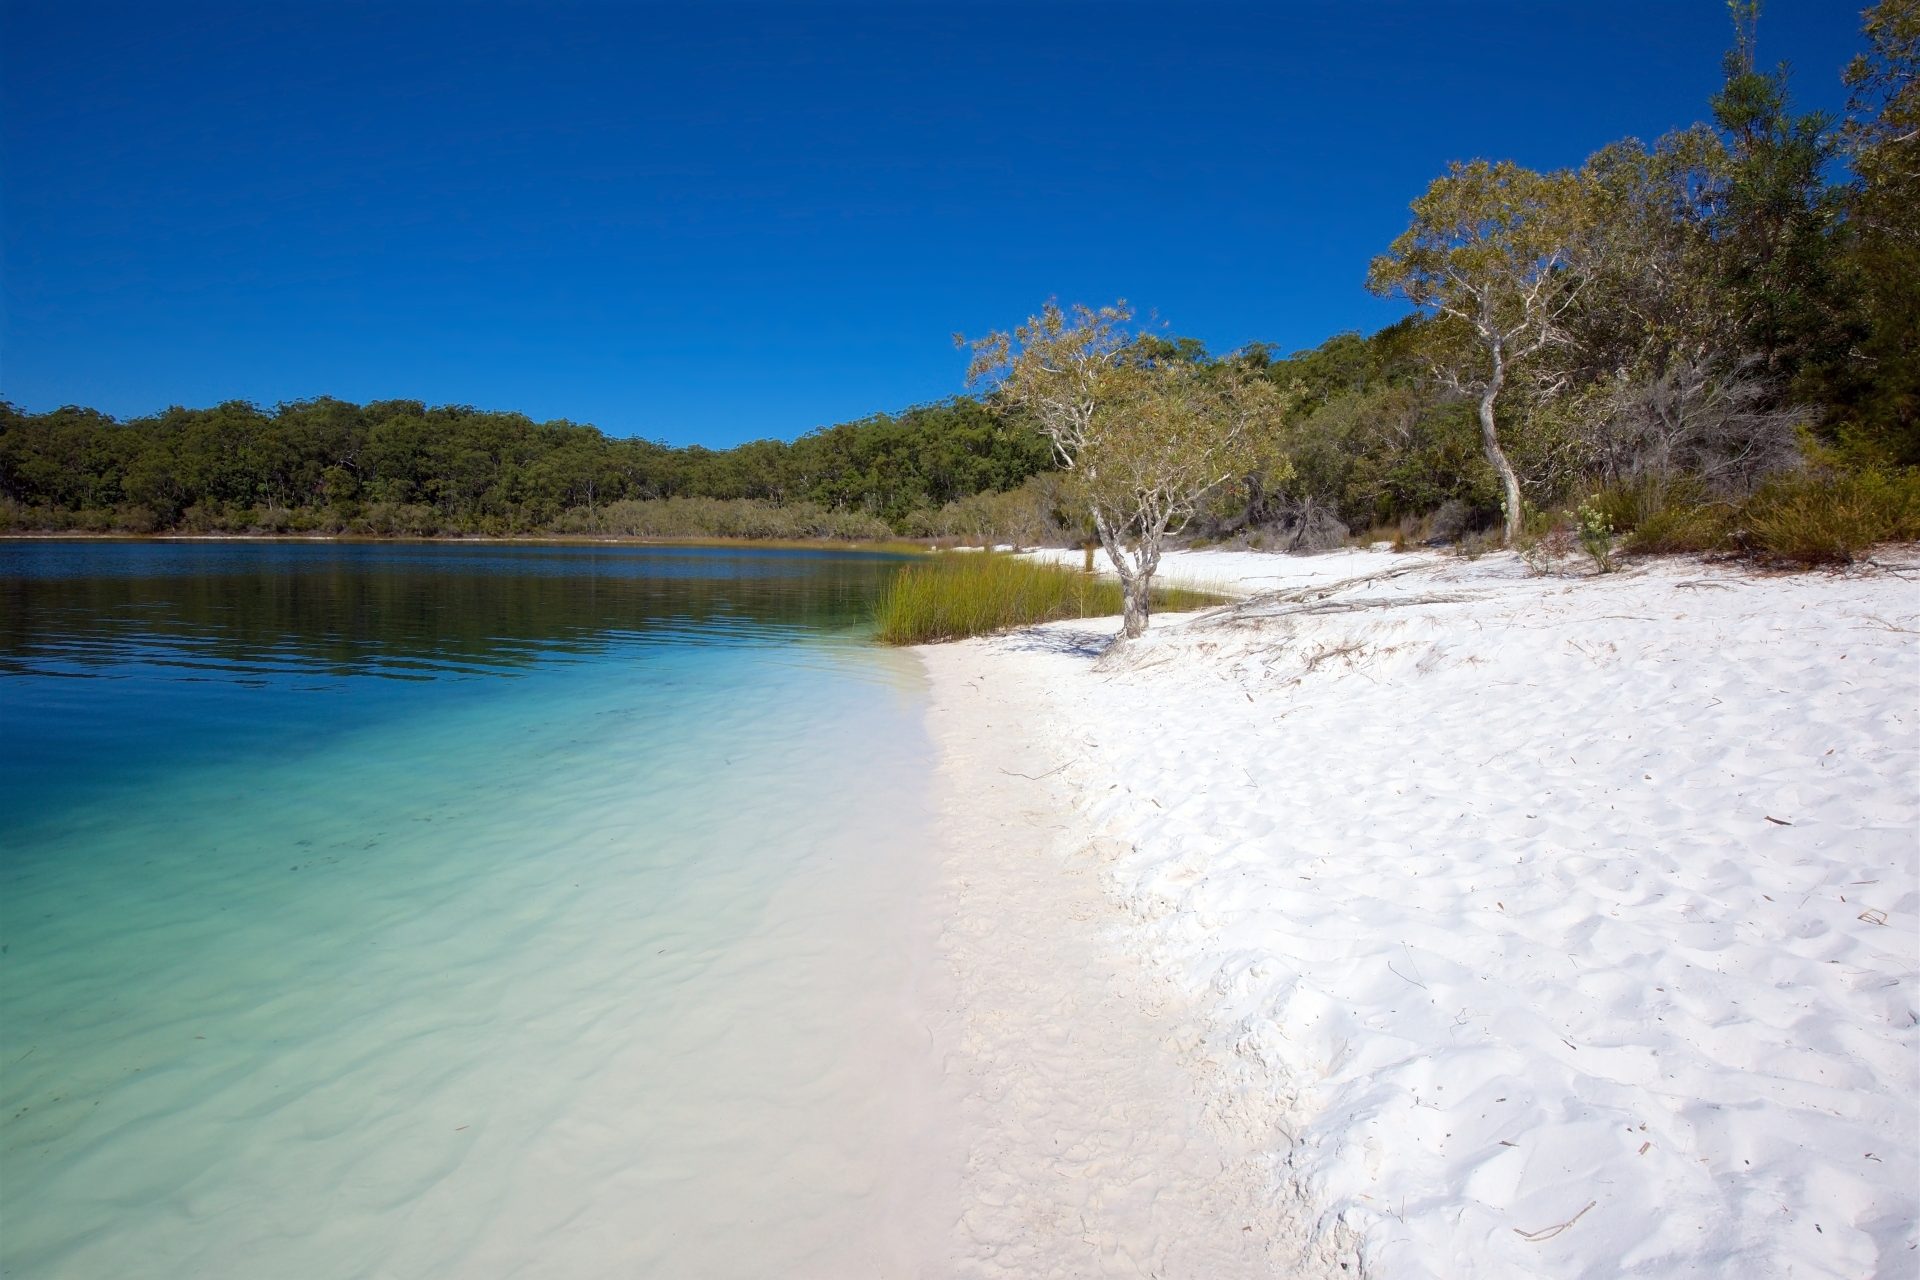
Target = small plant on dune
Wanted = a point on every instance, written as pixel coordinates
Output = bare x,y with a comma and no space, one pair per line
1543,541
1476,543
1595,531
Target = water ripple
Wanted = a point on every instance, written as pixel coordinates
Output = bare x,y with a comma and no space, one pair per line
276,611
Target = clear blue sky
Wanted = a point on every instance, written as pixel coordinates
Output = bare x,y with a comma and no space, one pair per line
712,222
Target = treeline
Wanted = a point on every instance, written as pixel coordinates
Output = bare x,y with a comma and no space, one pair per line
402,468
1707,342
1712,341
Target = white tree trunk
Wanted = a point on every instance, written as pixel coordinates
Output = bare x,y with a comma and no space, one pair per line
1133,622
1490,440
1136,573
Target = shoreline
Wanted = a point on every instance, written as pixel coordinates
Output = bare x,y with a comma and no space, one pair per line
1513,923
906,546
1095,1145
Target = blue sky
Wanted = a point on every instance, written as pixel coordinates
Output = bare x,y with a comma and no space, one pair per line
708,223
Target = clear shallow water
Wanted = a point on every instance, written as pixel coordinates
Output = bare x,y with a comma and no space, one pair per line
423,910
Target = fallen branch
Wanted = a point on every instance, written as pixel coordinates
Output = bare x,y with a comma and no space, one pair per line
1035,777
1548,1233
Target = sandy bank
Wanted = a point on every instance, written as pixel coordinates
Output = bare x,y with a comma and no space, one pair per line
1522,925
1095,1143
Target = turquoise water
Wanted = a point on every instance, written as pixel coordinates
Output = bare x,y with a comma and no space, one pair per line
440,910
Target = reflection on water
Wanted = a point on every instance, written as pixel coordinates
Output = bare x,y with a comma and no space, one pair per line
125,662
251,610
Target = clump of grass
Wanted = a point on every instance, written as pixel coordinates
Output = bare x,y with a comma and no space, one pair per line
1628,504
956,595
1544,540
1814,518
1476,543
1408,533
1684,528
1663,515
1820,515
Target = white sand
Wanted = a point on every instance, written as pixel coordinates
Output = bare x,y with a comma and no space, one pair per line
1083,1108
1466,903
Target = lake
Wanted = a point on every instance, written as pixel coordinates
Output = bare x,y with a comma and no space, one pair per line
461,910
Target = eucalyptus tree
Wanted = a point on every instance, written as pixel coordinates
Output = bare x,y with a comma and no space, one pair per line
1653,298
1882,132
1498,253
1144,429
1671,395
1882,138
1780,219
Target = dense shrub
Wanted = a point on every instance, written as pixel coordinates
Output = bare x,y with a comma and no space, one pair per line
721,518
396,519
1028,516
1821,517
1683,529
1817,515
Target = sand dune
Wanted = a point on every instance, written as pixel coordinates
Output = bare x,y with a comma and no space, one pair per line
1524,925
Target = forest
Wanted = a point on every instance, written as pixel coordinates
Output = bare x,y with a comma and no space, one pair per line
402,468
1706,342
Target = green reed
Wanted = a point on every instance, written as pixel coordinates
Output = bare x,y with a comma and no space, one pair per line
960,594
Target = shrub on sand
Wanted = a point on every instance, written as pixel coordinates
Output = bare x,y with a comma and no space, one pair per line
1595,531
1815,518
1683,529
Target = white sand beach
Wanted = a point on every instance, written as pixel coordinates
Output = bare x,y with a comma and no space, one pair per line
1424,917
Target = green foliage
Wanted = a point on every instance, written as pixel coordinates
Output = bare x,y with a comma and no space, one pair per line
1483,238
1145,427
1684,529
723,518
1595,531
1677,310
961,594
398,468
1877,390
1822,514
1499,255
1629,504
1409,452
1661,515
1369,436
1776,234
1818,517
1147,431
1039,512
1651,296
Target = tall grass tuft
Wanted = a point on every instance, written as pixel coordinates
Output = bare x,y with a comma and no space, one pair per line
1683,528
961,594
1831,519
1820,515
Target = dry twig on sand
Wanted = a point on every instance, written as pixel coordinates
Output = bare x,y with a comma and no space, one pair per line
1548,1233
1035,777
